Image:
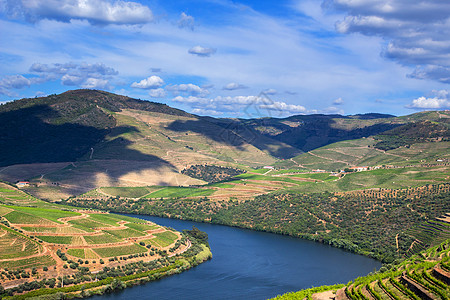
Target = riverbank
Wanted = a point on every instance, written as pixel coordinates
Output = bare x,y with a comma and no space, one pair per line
195,255
351,221
250,264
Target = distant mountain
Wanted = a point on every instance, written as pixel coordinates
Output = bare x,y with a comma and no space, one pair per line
308,132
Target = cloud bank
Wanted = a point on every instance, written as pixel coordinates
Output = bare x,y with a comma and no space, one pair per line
438,100
417,31
94,11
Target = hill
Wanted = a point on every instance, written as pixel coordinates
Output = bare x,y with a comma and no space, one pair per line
79,140
86,138
46,245
423,276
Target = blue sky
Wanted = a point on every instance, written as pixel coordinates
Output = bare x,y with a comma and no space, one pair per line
233,58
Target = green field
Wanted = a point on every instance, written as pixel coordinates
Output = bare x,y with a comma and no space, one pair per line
125,233
40,229
267,178
165,238
106,219
221,185
119,251
128,192
49,214
17,217
101,239
40,261
381,178
76,252
361,152
13,245
88,224
56,239
141,227
180,192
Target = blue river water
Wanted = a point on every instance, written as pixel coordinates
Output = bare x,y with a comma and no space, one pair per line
248,264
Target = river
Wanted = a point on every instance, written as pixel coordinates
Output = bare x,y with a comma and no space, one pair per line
248,264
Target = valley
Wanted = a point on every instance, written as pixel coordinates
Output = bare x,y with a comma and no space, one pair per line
373,184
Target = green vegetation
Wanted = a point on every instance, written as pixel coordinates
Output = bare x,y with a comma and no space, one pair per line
418,277
76,252
412,133
17,217
49,214
180,192
308,292
40,229
26,257
351,221
110,279
141,227
39,261
221,185
14,245
128,192
124,233
211,173
106,219
56,239
165,238
101,239
120,250
266,178
88,224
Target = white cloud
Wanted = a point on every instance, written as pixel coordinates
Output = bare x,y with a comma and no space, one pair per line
234,86
186,21
71,80
96,83
438,73
189,88
202,51
157,93
14,82
417,31
84,75
338,101
284,107
151,82
439,100
94,11
206,112
238,103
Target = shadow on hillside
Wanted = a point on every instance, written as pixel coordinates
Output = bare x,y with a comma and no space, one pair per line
278,138
38,134
317,133
234,133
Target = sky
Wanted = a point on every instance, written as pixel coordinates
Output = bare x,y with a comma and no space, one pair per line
224,58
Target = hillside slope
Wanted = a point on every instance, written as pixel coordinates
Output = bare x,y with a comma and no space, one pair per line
423,276
110,140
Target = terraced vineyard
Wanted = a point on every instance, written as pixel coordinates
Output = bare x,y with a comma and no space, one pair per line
423,276
40,241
